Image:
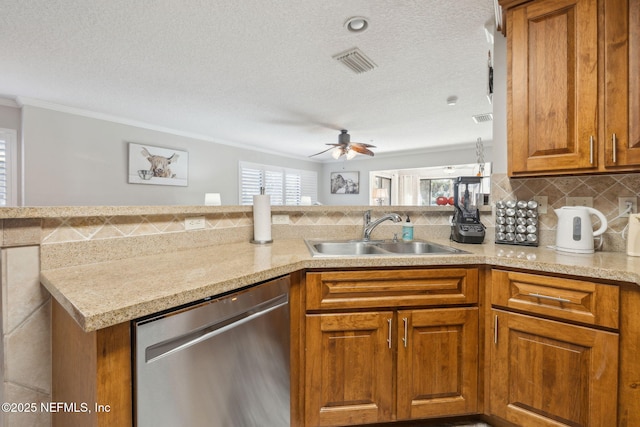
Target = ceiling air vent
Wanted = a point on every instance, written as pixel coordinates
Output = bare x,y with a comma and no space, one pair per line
355,60
481,118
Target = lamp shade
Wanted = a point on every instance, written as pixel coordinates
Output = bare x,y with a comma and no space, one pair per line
212,199
380,193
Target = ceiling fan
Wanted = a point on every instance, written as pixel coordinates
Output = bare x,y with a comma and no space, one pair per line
347,148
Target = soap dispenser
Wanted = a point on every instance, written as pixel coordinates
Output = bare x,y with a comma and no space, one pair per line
407,230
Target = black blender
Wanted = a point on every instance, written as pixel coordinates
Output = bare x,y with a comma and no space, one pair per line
465,225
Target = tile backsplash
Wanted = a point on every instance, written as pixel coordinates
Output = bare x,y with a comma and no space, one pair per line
335,222
605,190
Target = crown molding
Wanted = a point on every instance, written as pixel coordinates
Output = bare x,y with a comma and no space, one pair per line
8,102
22,100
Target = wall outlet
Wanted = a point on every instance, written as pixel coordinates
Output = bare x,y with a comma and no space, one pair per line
580,201
280,219
622,205
543,202
194,223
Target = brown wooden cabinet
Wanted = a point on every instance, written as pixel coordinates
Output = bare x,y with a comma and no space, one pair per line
92,368
573,86
622,83
547,372
349,367
437,369
369,359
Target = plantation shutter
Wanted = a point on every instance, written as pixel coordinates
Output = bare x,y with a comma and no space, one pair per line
273,185
8,168
309,185
285,186
293,190
3,172
251,181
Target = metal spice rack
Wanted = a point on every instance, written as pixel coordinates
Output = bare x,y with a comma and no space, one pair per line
517,222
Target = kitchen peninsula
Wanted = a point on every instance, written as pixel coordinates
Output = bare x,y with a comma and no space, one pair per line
100,284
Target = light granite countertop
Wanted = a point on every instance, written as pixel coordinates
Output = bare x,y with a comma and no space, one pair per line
104,294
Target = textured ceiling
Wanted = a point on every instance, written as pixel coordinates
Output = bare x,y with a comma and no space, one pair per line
258,73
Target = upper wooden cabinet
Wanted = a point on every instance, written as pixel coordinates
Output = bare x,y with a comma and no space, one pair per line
622,83
573,86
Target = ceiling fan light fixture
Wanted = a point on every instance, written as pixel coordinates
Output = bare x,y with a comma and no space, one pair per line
356,24
351,154
336,153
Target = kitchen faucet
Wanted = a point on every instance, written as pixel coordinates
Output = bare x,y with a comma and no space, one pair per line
369,225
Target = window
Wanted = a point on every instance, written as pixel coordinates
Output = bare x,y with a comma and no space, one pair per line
285,186
8,169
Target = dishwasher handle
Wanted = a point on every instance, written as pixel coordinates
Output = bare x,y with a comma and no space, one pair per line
173,345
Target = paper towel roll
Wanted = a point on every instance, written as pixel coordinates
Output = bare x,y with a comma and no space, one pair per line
633,236
262,218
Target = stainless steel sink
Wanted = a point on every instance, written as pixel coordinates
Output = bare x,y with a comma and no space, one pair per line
417,247
345,248
320,248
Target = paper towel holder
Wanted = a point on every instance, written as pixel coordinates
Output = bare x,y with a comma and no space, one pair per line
261,242
256,241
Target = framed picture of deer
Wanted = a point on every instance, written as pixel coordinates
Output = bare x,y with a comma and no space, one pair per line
149,164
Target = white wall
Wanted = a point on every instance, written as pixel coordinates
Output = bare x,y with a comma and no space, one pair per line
76,160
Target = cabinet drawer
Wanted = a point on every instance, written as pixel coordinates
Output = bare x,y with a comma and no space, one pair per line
391,288
570,299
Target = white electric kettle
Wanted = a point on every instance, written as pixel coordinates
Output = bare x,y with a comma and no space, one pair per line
575,232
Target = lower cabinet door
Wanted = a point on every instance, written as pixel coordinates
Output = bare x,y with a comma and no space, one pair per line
348,368
546,373
437,362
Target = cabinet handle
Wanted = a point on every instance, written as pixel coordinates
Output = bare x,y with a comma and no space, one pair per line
389,336
591,149
495,329
404,339
541,296
614,140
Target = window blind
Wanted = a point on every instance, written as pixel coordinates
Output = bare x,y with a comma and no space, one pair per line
286,186
3,172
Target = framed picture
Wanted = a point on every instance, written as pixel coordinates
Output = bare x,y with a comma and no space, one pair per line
149,164
345,182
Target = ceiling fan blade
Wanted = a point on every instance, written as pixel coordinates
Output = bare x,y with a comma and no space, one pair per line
362,144
359,148
323,151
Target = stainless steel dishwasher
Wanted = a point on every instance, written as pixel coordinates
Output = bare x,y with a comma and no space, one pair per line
222,362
